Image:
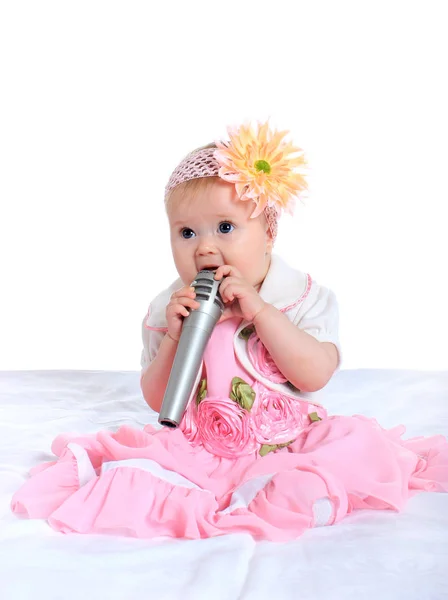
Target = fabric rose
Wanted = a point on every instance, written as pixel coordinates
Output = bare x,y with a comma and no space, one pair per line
224,427
262,360
188,425
276,418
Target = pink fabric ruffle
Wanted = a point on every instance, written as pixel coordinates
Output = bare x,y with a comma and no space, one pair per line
50,485
154,482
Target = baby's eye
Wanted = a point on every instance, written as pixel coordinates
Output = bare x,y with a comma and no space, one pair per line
187,233
226,227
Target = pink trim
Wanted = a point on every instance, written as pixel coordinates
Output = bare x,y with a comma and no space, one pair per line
153,328
309,283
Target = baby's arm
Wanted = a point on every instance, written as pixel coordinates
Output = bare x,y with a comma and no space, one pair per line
307,363
155,379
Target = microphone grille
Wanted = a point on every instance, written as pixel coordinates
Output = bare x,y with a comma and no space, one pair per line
206,287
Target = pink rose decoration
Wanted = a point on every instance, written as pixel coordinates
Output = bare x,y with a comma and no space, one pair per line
188,424
262,360
224,427
276,418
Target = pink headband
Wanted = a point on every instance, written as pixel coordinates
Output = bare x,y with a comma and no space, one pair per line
202,163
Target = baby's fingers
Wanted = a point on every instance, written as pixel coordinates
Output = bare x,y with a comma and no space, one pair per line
187,291
230,288
225,271
181,310
179,305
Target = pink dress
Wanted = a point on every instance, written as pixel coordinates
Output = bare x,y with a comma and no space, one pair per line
267,466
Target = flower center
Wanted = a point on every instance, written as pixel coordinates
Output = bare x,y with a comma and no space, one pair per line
262,165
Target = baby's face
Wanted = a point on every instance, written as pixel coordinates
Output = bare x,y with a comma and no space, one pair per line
212,227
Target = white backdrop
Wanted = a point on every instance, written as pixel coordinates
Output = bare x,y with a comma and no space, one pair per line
99,102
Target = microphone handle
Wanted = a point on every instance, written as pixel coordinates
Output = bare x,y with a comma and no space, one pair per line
195,335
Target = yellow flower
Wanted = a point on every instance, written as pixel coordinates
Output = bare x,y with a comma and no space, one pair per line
262,166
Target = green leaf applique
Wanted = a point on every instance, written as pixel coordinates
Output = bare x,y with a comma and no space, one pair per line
246,332
242,393
202,391
266,448
285,444
314,417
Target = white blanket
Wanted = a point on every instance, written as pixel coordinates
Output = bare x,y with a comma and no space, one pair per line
369,555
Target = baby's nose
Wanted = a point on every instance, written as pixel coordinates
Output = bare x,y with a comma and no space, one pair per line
206,246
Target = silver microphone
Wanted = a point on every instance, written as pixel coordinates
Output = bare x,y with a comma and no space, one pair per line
196,331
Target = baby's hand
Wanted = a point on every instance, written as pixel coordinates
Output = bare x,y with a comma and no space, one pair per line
176,310
240,298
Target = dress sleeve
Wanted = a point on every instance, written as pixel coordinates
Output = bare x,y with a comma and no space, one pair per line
319,316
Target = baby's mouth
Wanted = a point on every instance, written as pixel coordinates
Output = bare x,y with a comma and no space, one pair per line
210,267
